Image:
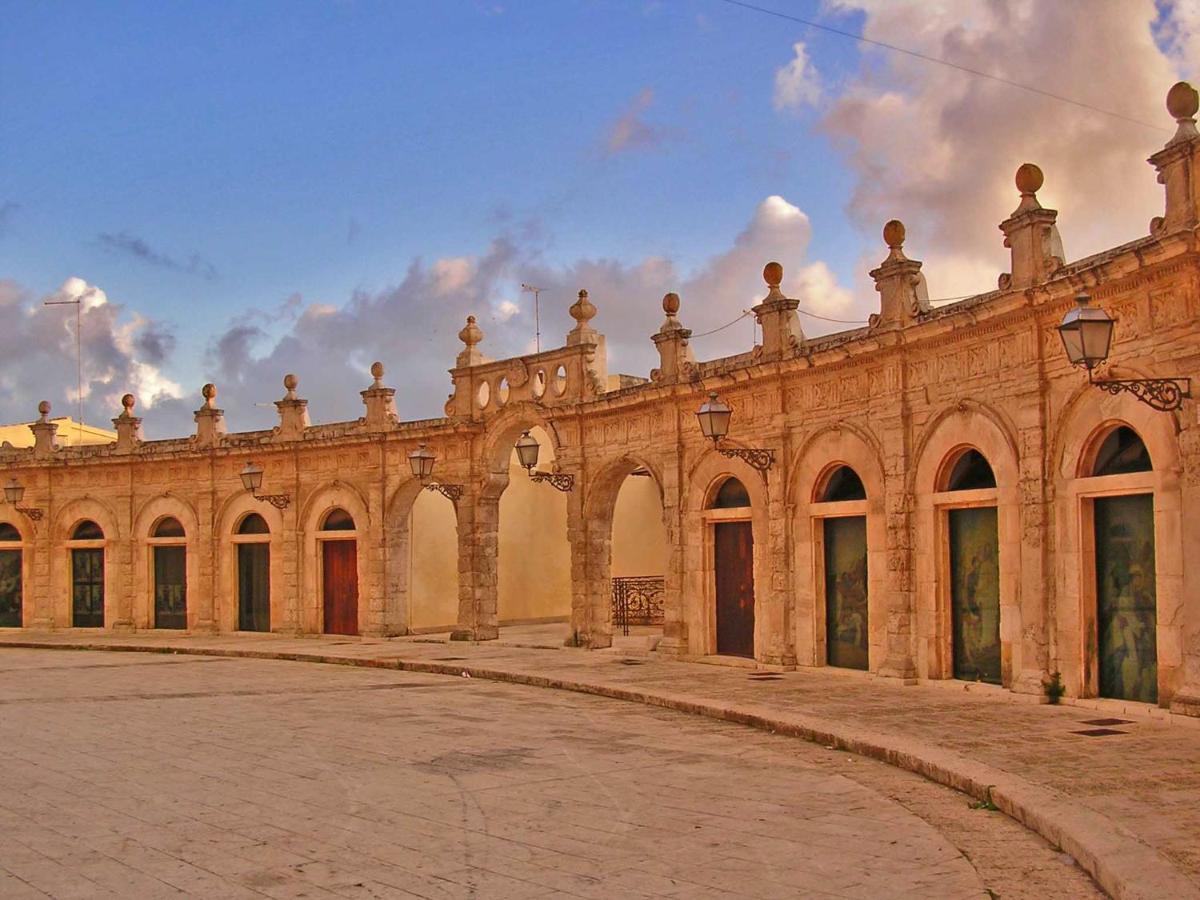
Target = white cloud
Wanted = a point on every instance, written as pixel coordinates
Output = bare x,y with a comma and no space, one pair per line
797,84
631,131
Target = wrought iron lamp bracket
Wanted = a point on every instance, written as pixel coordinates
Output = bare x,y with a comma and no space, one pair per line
754,457
33,514
452,492
1163,394
279,501
560,481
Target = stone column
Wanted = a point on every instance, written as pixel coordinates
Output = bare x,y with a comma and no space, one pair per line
776,315
478,548
676,362
293,411
590,538
1030,638
675,637
1178,164
206,546
780,649
1030,232
210,421
380,402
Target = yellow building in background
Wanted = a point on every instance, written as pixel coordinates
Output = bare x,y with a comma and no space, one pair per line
70,433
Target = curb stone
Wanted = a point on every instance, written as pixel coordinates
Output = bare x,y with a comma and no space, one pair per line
1119,862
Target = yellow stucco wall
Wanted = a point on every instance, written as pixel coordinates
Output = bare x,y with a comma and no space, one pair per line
433,567
639,538
70,433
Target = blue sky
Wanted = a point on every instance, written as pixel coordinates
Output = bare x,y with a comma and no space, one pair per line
202,162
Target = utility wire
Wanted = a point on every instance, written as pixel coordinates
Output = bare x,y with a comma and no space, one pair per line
941,62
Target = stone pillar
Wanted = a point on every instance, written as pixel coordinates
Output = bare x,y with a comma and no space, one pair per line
900,661
210,421
478,548
290,547
293,412
128,426
1030,232
590,538
1186,699
776,315
676,361
1029,639
780,649
206,546
44,432
1178,164
39,549
675,637
903,296
380,402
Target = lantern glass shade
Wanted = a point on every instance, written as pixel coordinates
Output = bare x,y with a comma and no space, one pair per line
714,417
1086,333
252,477
421,462
13,491
527,450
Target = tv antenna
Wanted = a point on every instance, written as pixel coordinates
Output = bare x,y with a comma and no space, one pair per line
78,304
537,316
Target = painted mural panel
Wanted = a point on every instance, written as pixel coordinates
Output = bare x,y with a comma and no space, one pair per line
1125,597
975,593
10,588
846,591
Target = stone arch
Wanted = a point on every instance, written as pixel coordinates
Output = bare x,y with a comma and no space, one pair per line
502,433
25,546
698,613
230,512
591,596
116,561
320,501
148,515
822,452
1086,419
400,614
983,428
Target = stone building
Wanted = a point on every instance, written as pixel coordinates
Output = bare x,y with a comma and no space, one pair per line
940,494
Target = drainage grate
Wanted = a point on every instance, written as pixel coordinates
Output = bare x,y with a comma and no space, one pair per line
1099,732
1107,722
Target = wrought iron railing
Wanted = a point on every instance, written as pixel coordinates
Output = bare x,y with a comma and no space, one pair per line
637,600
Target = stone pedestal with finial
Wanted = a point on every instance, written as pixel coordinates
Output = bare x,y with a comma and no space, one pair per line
128,426
676,360
293,412
1032,235
903,296
776,314
210,421
380,401
1178,164
44,432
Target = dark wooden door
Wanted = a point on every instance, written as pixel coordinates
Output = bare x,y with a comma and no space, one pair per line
10,588
87,588
975,593
170,587
846,591
1126,599
254,587
341,586
734,556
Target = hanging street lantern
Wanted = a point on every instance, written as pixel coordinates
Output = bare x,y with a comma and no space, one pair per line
14,493
714,418
421,462
1086,333
528,449
252,479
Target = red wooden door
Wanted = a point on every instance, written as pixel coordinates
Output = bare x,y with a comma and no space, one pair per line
734,556
341,587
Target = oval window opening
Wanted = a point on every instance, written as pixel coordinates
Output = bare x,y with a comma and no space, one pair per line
732,494
169,527
842,484
970,472
338,520
253,524
87,530
1121,453
8,532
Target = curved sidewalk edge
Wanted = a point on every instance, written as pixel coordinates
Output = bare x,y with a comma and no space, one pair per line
1123,866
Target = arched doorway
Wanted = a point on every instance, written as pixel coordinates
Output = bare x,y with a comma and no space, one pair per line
339,572
628,535
11,582
1122,535
86,546
431,546
168,543
253,541
968,498
729,513
840,504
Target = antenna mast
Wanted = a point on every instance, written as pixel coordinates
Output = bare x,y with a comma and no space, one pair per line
78,304
537,317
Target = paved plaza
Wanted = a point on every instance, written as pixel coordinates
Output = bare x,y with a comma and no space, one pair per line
143,775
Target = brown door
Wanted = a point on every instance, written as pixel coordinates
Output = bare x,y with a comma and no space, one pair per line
341,587
734,550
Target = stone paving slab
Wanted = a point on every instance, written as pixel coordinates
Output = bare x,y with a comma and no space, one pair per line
1126,806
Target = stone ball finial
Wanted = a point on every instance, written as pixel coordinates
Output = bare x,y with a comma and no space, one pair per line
582,310
209,391
290,382
44,408
1183,101
127,401
671,303
893,234
377,370
773,274
471,334
1029,179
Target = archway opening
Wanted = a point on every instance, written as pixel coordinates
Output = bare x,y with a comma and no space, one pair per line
534,554
86,548
733,564
11,583
432,563
840,502
169,555
638,557
253,539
